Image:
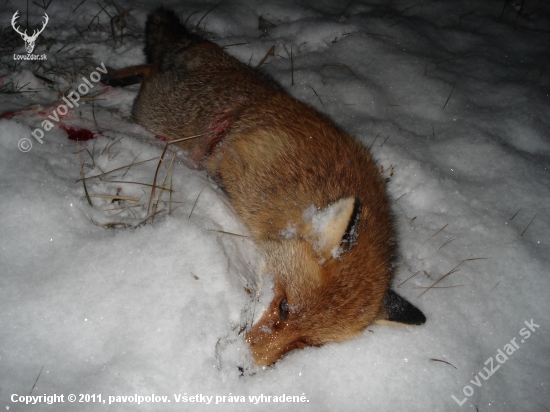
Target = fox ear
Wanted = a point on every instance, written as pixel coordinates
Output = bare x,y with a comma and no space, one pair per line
397,310
327,229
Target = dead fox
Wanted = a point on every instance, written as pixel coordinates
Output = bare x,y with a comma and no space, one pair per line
310,194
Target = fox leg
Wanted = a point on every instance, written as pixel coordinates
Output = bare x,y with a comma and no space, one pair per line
130,75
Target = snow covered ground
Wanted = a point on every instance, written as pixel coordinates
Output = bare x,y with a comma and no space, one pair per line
451,96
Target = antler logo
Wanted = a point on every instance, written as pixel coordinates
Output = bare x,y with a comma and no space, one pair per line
29,40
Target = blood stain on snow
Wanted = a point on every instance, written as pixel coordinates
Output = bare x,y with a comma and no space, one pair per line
78,134
7,115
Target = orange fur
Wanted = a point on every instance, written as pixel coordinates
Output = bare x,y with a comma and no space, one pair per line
275,157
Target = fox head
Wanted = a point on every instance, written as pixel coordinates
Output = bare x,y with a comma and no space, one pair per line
320,292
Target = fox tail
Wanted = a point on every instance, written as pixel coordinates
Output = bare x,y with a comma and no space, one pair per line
164,33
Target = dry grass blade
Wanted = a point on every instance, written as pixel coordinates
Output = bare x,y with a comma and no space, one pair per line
524,230
168,172
502,12
114,170
79,4
93,153
117,197
518,14
123,209
446,243
376,137
155,179
421,4
440,360
445,105
66,51
264,25
38,377
471,258
130,164
380,35
82,178
343,11
338,65
96,17
284,47
118,22
196,200
10,88
317,96
44,79
399,21
269,53
108,147
188,17
171,191
235,44
208,12
93,115
450,272
410,7
104,148
438,232
43,5
91,156
399,198
186,138
149,217
291,67
227,233
444,287
134,183
178,206
410,277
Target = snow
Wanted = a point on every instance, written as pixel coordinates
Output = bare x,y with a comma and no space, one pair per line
453,102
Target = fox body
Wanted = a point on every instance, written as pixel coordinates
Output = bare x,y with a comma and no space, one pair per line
310,194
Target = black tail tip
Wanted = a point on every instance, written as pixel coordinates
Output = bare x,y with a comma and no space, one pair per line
401,311
162,21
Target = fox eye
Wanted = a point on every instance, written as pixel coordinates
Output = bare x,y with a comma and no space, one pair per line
283,308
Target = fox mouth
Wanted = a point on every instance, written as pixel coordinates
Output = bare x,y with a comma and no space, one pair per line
299,344
266,351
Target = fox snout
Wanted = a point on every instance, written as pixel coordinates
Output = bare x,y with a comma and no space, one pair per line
273,338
